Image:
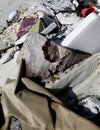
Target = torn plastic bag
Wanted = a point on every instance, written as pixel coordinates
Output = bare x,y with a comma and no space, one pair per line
36,108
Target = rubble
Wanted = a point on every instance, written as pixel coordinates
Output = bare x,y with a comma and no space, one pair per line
44,58
50,44
61,5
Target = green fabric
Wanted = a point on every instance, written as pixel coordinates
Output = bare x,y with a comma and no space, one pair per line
36,27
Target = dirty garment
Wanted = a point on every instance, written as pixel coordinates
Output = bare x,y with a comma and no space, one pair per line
32,110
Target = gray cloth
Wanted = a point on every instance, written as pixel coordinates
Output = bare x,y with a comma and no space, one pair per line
60,5
83,78
40,8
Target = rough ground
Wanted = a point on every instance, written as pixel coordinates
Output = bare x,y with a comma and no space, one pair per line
9,70
7,6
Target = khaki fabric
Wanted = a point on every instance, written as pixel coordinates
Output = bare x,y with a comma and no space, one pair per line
67,120
30,108
32,104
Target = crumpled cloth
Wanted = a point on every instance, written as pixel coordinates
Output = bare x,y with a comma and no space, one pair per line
35,112
61,5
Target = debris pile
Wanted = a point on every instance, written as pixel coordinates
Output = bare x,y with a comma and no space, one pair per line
57,44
